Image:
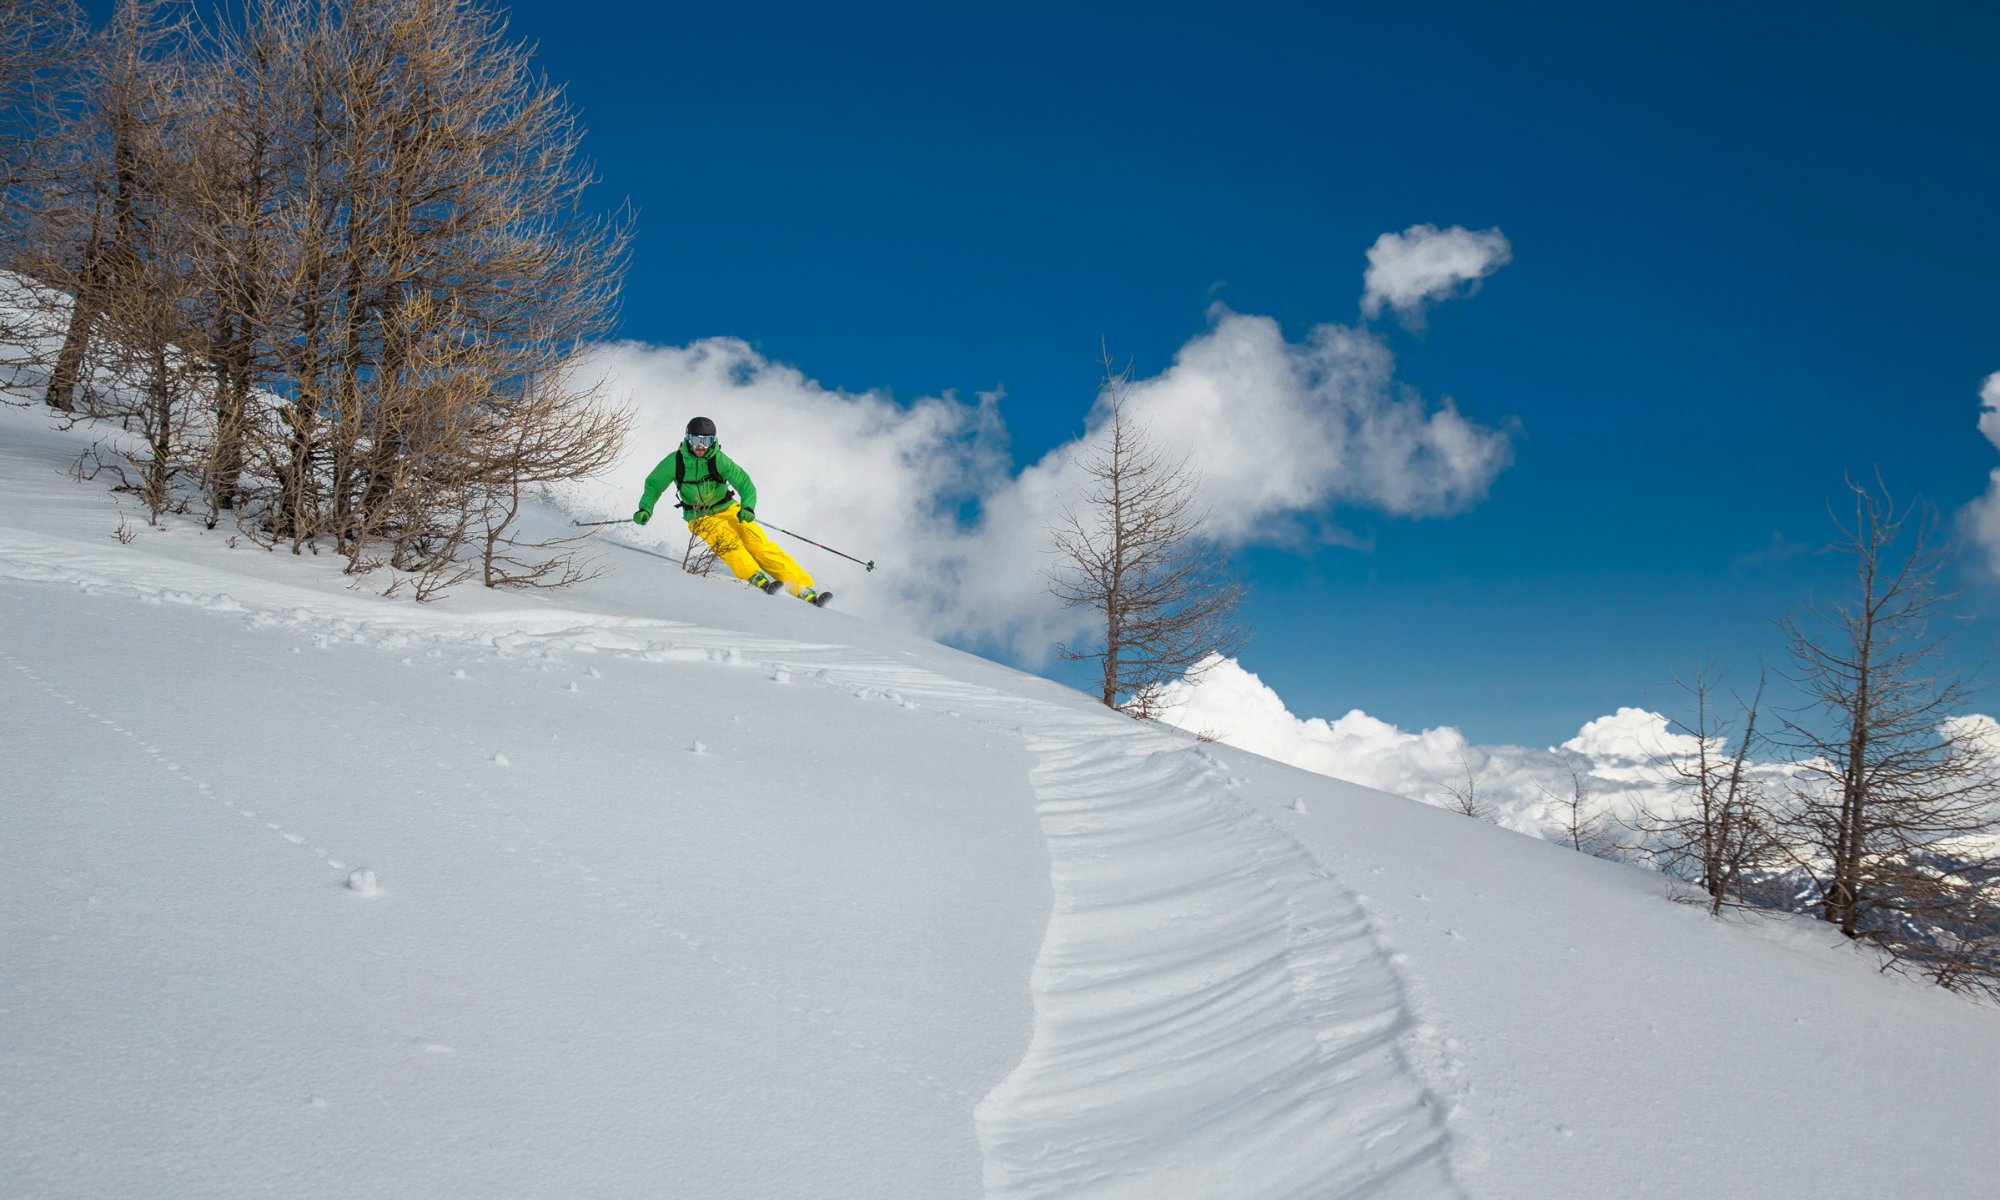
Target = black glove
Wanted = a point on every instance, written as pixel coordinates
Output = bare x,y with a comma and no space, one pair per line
747,515
642,516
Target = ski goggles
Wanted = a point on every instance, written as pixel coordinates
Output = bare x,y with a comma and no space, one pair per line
700,441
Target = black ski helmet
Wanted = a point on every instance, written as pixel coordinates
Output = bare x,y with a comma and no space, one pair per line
701,427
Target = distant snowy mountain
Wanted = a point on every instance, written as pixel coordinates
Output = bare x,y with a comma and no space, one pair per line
660,887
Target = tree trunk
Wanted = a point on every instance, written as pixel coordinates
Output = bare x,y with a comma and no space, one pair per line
83,315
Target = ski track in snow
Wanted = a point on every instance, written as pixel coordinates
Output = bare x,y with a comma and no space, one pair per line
1214,1014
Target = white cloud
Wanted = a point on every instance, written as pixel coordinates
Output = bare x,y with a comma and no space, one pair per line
1978,733
1425,263
1620,756
1236,707
1276,430
1625,759
1629,743
1982,517
1277,426
1989,408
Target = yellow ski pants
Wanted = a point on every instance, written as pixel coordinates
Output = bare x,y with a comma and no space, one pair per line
746,550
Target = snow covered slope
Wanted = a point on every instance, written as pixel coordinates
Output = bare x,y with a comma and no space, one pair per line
661,887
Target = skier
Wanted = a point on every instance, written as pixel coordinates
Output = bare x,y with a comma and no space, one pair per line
702,476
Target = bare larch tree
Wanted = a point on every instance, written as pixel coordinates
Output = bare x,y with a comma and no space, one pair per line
99,236
1462,791
1134,551
1585,827
1898,817
1722,831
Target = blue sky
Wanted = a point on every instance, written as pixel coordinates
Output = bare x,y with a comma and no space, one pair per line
1751,251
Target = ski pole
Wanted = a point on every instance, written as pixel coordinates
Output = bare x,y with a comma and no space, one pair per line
619,521
808,541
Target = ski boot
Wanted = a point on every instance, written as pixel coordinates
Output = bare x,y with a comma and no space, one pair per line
766,582
815,597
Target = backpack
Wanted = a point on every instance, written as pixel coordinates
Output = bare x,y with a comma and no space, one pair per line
714,476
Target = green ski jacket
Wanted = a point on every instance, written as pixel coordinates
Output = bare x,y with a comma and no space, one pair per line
705,481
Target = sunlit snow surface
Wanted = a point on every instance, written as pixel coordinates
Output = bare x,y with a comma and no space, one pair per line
660,887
